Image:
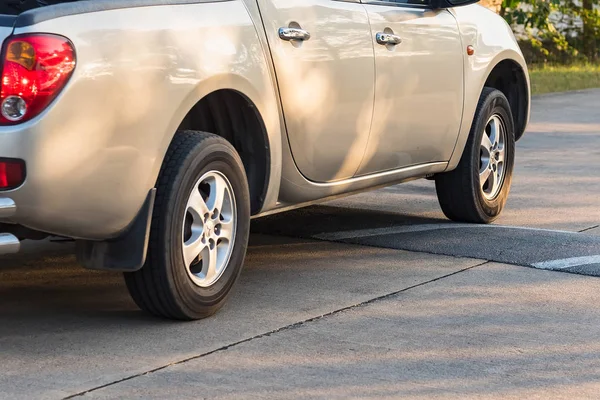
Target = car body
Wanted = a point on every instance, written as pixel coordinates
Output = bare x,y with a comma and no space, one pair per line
311,119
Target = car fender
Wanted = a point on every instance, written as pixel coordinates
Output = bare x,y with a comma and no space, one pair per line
493,42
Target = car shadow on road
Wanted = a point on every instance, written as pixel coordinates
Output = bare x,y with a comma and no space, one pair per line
311,221
45,281
44,287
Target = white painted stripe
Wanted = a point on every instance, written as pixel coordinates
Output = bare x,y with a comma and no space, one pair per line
567,262
360,233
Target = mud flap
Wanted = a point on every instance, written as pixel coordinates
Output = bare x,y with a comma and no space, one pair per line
126,253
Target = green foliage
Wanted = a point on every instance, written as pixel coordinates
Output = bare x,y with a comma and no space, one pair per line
562,31
548,79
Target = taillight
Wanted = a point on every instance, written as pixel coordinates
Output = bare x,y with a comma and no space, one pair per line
35,68
12,173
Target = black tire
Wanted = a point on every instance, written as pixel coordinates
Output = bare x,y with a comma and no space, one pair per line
459,192
163,287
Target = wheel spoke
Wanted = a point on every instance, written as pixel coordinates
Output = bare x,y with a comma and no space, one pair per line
197,204
486,143
494,132
485,163
209,260
192,248
501,156
484,176
218,191
226,230
494,182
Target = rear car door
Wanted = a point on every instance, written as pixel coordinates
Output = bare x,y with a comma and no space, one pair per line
419,88
326,81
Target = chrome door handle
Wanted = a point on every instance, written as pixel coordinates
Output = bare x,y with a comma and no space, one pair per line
293,34
388,38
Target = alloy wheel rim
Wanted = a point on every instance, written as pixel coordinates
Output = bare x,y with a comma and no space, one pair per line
492,168
209,227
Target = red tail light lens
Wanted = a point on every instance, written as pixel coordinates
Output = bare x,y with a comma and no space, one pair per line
35,69
12,173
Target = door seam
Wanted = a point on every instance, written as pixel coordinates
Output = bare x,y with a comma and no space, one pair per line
362,160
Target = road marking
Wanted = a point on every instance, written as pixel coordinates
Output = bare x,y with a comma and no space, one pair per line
394,230
567,262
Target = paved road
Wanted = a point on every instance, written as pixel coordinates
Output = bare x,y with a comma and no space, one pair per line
376,295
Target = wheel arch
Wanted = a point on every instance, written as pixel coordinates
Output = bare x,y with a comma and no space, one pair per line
509,77
482,70
254,107
232,115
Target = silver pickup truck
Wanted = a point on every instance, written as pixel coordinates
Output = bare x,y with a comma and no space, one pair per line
152,131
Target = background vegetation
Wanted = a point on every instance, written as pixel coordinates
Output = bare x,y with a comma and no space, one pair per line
560,40
560,78
556,31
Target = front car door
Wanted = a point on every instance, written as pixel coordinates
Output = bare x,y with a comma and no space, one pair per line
419,88
326,81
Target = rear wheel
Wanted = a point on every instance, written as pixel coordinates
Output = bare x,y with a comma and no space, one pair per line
477,190
199,230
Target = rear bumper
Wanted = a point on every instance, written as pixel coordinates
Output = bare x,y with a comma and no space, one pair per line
8,243
78,184
8,208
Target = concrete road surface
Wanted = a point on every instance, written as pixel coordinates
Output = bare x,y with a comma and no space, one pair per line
373,296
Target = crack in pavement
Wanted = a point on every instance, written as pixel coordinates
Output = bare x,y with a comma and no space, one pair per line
272,332
589,229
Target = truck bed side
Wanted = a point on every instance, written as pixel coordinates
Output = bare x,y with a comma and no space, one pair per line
95,153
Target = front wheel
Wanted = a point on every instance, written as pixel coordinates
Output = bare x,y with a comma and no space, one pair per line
199,233
477,190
